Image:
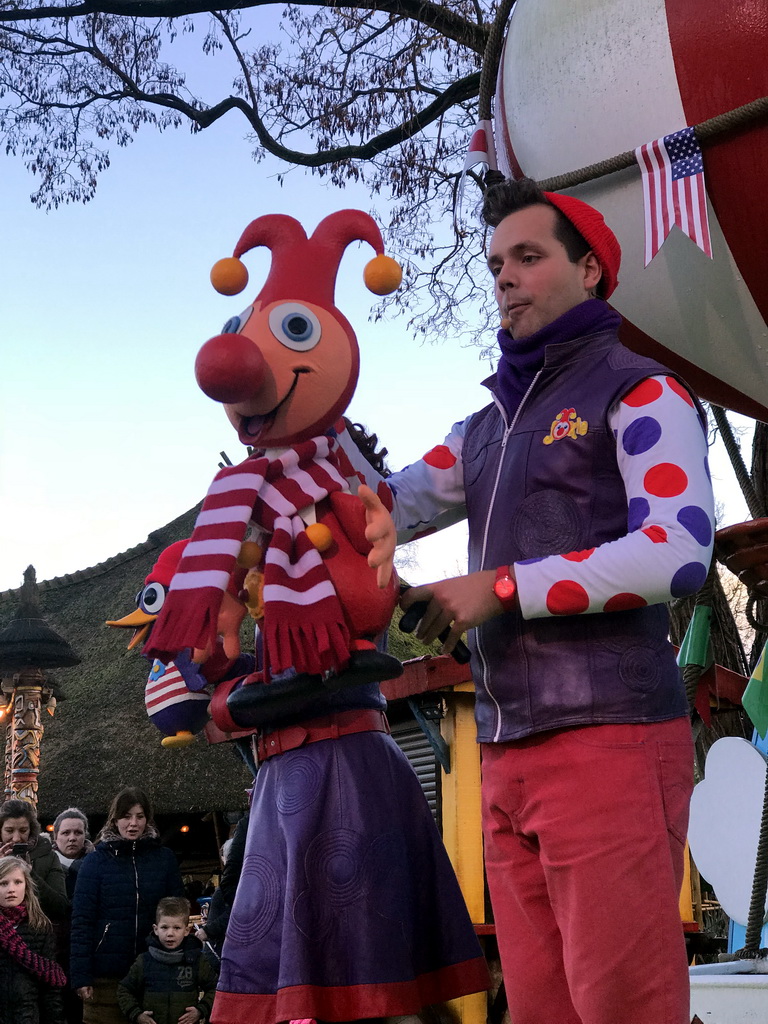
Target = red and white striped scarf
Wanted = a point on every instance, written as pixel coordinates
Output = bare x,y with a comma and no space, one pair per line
304,625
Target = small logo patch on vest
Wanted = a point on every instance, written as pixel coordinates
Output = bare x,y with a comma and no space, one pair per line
566,424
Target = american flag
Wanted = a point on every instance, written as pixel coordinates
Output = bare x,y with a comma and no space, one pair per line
673,191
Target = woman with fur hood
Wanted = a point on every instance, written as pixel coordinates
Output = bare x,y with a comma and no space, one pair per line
118,888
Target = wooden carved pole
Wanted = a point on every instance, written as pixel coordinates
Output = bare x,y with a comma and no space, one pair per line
27,729
28,647
8,732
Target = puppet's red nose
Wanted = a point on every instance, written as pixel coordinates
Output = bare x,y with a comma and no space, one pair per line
229,368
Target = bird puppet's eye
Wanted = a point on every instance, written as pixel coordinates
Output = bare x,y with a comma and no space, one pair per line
295,326
235,324
151,598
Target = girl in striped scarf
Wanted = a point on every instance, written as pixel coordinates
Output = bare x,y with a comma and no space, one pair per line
30,979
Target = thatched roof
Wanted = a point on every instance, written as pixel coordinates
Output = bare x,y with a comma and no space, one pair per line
100,737
28,640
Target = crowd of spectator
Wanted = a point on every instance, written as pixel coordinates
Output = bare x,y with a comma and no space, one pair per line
78,920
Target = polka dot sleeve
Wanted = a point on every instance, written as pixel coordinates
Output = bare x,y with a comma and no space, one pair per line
661,451
424,497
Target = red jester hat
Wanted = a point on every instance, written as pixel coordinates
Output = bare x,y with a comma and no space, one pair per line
289,368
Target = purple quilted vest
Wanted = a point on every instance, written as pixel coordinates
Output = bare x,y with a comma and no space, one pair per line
527,499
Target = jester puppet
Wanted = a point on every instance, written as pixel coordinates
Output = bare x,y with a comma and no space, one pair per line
347,905
312,561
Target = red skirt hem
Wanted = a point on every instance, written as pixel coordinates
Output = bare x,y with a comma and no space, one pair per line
351,1002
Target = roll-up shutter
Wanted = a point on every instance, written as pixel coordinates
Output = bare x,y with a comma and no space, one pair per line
414,744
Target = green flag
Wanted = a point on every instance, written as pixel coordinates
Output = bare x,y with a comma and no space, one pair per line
755,699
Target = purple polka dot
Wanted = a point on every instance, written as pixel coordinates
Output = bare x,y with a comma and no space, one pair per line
688,579
696,522
531,561
641,435
706,469
637,513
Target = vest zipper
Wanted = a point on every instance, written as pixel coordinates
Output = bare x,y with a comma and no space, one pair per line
508,428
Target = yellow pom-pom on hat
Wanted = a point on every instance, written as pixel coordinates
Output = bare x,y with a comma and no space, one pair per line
229,276
382,275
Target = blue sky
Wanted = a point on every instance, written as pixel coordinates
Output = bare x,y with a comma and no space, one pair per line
104,435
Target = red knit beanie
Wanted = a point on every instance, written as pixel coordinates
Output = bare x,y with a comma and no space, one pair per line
167,563
591,226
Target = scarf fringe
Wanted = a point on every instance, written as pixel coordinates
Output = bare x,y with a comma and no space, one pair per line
48,971
190,623
307,647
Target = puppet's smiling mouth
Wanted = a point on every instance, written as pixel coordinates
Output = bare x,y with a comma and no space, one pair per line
253,426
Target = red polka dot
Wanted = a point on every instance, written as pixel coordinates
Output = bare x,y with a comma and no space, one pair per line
340,426
645,393
623,602
441,457
665,480
567,598
385,495
678,388
579,556
657,534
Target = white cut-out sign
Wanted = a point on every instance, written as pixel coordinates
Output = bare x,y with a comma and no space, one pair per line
725,822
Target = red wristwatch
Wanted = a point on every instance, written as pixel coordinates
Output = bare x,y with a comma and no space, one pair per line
505,588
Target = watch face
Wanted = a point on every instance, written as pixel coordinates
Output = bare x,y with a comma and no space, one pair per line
505,588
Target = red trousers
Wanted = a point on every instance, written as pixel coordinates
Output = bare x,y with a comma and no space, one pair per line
584,844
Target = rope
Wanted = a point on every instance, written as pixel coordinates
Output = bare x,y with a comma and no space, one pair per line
713,128
491,58
734,452
749,611
756,916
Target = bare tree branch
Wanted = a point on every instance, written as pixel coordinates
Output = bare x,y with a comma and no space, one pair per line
432,15
380,92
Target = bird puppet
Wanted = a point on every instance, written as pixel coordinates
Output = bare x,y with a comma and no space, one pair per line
174,697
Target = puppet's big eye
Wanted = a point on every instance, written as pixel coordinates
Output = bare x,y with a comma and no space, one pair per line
151,598
235,324
295,326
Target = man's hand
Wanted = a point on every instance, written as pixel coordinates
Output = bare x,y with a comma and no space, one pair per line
457,604
146,1017
380,532
85,993
191,1015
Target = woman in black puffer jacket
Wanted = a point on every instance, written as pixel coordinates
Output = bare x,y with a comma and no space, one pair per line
118,888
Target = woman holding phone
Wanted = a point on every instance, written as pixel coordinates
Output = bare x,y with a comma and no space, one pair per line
20,837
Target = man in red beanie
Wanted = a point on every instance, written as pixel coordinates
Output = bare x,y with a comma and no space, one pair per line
587,494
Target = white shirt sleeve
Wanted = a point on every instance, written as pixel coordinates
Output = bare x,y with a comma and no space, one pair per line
426,496
661,450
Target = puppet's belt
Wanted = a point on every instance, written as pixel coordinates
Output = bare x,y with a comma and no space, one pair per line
325,727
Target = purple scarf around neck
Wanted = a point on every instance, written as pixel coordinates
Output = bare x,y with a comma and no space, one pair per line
522,358
48,971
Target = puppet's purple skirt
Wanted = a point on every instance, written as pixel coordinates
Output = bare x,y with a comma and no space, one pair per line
347,906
